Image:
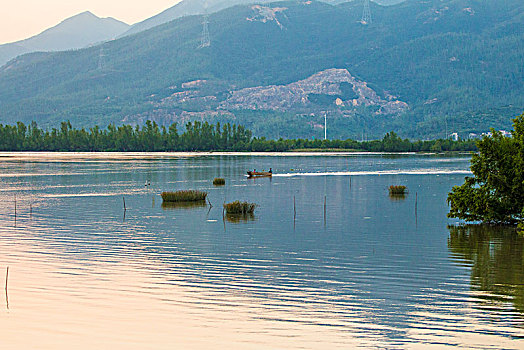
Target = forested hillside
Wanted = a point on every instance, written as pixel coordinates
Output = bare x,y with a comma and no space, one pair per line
456,64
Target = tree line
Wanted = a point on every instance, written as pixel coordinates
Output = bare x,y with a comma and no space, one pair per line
196,136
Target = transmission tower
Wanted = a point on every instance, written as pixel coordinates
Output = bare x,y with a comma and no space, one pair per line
366,14
205,41
101,60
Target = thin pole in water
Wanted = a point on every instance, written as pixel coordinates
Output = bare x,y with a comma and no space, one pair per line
6,294
224,214
325,208
15,205
125,208
294,213
416,201
416,205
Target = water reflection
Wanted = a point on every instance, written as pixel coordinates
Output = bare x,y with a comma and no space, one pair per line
497,258
238,218
183,205
397,196
369,277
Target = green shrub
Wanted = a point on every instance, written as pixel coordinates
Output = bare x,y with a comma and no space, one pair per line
397,190
238,207
495,192
219,181
184,196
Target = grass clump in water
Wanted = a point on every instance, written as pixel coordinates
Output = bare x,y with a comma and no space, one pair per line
184,196
219,181
238,207
397,190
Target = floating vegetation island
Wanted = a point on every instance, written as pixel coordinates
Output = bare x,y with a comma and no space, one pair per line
397,190
241,208
219,181
184,196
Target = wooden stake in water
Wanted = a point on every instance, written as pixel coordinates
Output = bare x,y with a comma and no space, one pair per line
416,209
325,208
294,213
15,205
6,294
349,181
125,209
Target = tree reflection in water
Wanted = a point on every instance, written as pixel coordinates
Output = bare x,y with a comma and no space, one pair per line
496,255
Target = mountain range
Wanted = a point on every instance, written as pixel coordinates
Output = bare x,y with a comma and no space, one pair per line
73,33
421,67
200,7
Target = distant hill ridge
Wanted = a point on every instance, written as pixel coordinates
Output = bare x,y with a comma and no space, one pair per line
73,33
199,7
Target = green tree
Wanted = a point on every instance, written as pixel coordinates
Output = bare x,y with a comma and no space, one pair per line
495,194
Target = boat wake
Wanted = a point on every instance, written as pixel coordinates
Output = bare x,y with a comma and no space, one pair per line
382,172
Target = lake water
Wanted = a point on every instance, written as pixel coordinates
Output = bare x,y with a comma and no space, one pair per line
373,272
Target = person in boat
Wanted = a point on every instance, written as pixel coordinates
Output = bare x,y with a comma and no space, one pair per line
271,170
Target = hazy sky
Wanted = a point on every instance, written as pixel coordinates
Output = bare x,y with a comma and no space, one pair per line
20,19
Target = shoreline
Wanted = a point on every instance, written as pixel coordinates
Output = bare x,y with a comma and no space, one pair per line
42,155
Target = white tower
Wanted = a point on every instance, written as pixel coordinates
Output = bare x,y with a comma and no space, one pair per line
325,126
366,14
205,40
101,60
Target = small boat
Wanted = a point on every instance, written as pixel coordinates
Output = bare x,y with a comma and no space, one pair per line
259,173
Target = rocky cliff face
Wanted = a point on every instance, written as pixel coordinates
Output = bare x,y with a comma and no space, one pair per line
334,90
297,96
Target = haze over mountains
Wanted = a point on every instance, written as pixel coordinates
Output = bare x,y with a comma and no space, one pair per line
277,68
199,7
73,33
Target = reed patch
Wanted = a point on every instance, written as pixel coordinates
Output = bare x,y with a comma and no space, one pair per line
397,190
184,196
238,207
219,181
